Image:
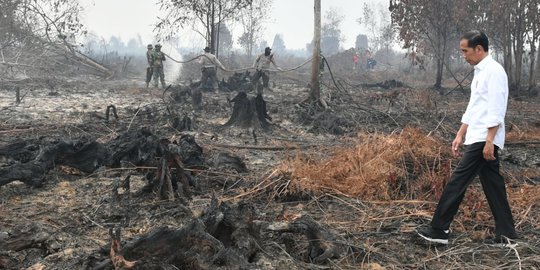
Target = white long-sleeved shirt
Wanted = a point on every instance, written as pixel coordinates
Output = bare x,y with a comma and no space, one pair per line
487,105
208,60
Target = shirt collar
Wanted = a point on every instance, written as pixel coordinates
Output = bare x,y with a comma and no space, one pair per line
482,64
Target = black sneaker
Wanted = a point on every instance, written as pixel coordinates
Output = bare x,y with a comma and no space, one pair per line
433,235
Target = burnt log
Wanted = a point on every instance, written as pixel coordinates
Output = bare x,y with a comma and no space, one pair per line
223,160
386,84
83,156
32,160
136,148
20,151
34,236
25,236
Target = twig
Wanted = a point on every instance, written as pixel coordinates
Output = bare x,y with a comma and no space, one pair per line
93,222
133,118
512,247
438,125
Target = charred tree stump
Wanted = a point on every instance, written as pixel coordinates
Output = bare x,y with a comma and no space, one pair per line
181,124
171,176
249,112
110,108
322,243
236,229
196,98
224,236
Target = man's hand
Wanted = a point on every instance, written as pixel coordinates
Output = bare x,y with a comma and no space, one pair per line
489,151
456,144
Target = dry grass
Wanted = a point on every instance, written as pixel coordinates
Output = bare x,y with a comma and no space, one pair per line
402,165
518,133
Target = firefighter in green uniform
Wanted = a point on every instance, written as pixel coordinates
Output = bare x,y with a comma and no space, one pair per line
157,65
149,69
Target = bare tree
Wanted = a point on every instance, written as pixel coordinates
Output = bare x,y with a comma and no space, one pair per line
209,13
31,32
376,19
331,36
252,19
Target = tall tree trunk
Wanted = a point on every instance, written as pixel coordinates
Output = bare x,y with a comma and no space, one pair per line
537,69
440,62
217,38
315,91
507,49
518,51
439,75
532,71
213,28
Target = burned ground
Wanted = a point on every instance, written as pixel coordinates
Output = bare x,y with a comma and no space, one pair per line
336,188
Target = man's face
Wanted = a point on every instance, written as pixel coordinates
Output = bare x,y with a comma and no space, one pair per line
474,55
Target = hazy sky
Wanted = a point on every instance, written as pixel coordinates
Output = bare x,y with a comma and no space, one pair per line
293,19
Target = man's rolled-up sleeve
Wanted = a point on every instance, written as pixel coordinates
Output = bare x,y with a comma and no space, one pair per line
497,99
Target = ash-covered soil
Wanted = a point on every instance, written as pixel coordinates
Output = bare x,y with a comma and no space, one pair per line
65,223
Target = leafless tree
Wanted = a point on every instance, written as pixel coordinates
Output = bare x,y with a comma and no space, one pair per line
252,19
208,13
331,36
32,33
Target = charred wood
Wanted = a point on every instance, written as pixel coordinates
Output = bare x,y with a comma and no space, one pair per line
249,112
225,160
322,244
224,236
85,157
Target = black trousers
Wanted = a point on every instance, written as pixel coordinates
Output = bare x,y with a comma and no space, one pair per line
472,164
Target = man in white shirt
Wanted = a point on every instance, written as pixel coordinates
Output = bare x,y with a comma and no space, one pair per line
483,129
209,64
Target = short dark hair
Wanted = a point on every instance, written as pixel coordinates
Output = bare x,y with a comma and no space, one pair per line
475,38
